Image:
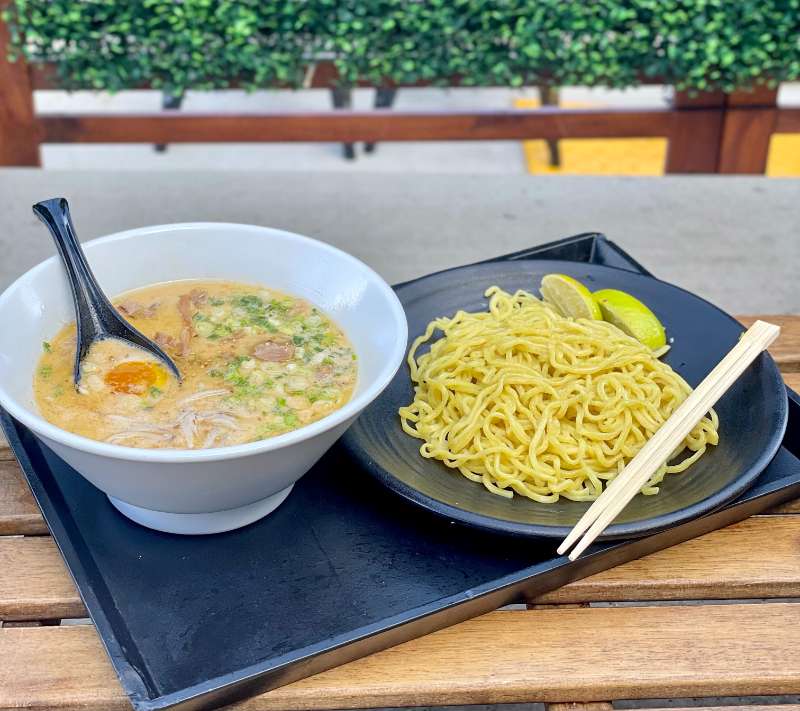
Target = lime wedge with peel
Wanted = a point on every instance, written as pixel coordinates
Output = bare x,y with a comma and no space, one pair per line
569,296
631,316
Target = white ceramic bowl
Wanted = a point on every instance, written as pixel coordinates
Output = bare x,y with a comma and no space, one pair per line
203,491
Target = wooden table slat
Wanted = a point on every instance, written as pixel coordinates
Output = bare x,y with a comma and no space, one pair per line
514,656
35,582
786,350
19,513
589,706
757,558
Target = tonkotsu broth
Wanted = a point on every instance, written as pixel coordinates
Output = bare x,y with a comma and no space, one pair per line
255,363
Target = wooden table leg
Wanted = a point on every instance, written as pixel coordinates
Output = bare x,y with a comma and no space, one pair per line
168,103
550,97
342,97
384,99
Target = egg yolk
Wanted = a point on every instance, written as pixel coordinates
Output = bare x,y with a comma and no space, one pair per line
136,377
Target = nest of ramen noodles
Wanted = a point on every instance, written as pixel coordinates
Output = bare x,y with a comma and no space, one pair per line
525,400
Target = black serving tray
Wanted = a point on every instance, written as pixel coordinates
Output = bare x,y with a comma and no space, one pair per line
342,569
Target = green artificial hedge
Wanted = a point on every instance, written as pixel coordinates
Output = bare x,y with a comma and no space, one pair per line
203,44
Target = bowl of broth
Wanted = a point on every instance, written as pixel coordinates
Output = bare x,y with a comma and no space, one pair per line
281,341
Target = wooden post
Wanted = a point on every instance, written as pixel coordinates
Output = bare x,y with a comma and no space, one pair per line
550,97
19,141
749,123
694,141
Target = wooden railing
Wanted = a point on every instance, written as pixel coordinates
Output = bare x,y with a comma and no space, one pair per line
707,133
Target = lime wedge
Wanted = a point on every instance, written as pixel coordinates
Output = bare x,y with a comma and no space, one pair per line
569,296
631,316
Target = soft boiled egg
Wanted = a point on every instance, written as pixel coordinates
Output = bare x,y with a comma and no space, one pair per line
136,377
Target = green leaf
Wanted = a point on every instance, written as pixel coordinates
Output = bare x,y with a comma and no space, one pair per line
212,44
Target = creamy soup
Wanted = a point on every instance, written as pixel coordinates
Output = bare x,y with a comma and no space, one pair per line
255,363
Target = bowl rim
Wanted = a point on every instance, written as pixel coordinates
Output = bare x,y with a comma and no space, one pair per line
350,409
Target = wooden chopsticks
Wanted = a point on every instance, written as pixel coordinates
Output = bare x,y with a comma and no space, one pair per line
666,440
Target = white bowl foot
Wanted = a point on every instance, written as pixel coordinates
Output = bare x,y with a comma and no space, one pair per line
201,523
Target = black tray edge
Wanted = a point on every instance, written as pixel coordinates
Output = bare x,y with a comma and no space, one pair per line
591,247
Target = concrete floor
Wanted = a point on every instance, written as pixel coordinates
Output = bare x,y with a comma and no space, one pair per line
731,240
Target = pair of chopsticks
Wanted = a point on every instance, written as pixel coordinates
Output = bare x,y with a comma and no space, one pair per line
666,440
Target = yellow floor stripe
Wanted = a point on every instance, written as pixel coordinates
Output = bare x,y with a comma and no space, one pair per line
783,160
634,156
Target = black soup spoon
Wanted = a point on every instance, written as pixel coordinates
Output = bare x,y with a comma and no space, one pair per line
96,318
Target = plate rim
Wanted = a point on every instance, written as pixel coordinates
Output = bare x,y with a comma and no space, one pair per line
634,529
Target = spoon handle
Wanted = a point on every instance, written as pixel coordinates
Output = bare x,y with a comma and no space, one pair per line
96,317
86,293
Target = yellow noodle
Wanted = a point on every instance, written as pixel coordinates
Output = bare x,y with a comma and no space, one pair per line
526,401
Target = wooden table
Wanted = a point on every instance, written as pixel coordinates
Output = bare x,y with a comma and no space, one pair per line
567,646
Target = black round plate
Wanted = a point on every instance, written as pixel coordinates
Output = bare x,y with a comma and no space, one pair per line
752,413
